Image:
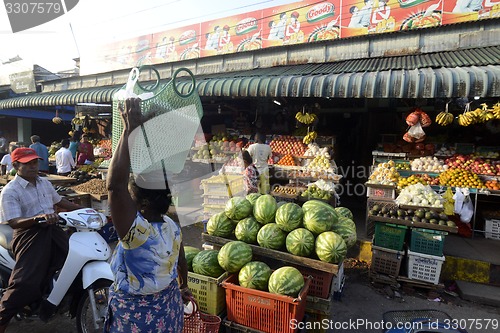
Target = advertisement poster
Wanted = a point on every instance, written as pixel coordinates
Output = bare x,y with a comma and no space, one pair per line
307,21
232,34
176,44
361,17
470,10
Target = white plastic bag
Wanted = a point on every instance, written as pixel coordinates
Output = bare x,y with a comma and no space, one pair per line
467,207
128,92
416,131
459,200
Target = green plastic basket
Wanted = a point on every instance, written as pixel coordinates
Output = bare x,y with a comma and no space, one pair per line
391,236
427,241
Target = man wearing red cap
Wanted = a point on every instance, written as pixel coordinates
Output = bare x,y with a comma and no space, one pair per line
39,248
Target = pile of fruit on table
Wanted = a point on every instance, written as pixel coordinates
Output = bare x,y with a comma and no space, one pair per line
315,230
422,215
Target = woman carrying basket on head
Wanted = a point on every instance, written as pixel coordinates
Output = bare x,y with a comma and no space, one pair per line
145,295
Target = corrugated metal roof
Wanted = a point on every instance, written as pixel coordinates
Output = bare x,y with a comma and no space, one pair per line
461,73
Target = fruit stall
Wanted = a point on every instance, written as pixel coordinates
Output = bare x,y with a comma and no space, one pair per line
279,261
411,201
298,171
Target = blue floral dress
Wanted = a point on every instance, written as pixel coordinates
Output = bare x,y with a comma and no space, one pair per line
145,296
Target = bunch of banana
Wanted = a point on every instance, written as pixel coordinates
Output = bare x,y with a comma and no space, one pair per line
496,110
310,137
466,119
305,118
444,118
77,121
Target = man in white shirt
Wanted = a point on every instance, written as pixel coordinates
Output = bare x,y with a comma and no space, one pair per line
64,159
261,152
6,162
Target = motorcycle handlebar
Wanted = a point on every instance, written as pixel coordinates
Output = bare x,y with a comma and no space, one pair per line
42,220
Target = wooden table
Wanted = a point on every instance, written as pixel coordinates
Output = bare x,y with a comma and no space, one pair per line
278,255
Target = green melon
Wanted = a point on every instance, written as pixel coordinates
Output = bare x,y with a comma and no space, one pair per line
287,281
347,229
271,236
300,242
190,252
238,208
345,212
254,275
206,263
330,247
265,208
234,255
318,216
220,225
289,216
246,230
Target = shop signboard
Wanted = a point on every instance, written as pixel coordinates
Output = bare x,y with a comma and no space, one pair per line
456,11
23,82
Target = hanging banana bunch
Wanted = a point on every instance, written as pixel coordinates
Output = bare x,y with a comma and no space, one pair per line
467,118
445,118
496,110
305,117
57,120
310,137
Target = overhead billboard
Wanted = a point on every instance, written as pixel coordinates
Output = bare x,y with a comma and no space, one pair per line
298,22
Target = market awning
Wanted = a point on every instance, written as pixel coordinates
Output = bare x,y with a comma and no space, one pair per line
403,83
461,73
67,97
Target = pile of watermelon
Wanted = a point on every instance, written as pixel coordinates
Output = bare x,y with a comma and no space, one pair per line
236,257
315,230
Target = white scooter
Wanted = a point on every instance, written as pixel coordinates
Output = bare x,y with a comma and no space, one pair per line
81,286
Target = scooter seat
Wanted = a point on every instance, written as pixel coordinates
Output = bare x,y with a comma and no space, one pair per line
5,236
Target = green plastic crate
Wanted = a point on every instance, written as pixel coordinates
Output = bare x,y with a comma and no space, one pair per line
427,241
391,236
211,297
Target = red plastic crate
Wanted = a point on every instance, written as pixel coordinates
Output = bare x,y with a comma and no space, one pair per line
321,281
262,310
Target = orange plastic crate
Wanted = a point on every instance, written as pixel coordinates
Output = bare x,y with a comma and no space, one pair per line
321,281
262,310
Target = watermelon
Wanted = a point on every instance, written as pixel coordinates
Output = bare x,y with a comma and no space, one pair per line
246,230
345,212
220,225
289,216
287,281
234,255
190,252
318,216
271,236
347,229
330,247
264,209
206,263
238,208
300,242
254,275
252,197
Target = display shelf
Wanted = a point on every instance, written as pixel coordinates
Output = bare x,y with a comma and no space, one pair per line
413,224
278,255
437,209
384,154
